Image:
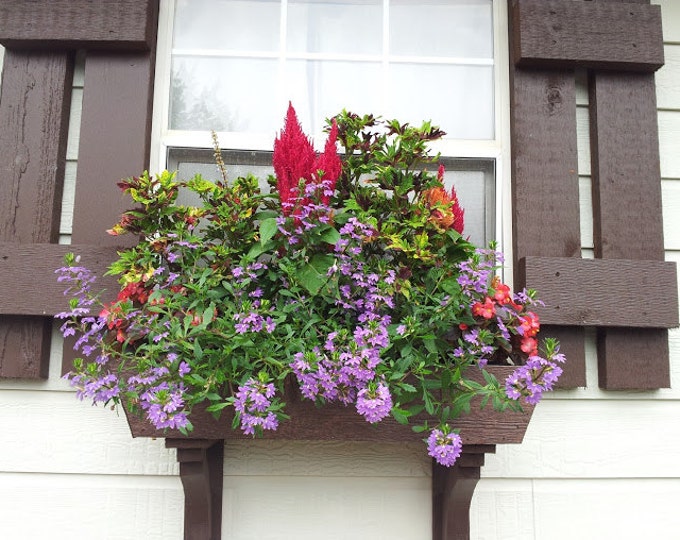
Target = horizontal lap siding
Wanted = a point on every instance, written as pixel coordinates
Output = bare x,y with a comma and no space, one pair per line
57,506
583,509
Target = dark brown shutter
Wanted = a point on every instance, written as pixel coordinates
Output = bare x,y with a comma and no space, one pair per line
40,39
628,292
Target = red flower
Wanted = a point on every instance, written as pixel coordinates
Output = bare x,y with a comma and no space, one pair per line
134,291
529,346
529,324
329,163
502,294
294,160
486,310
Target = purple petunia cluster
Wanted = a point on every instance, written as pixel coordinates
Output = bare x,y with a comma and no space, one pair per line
374,402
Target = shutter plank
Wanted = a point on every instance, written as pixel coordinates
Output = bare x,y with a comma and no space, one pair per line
37,292
604,292
118,95
115,138
627,208
545,194
34,106
628,219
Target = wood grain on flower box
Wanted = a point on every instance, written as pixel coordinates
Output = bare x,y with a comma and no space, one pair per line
337,422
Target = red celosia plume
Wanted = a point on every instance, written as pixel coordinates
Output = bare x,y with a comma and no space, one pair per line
295,159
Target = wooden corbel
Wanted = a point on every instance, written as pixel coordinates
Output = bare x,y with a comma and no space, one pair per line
452,490
200,469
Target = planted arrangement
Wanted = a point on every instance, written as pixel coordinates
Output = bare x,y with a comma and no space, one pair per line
351,277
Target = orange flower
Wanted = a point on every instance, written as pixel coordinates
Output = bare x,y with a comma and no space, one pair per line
445,210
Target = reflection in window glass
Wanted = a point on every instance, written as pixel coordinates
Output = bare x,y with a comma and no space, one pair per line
247,25
304,79
460,94
441,28
223,94
322,27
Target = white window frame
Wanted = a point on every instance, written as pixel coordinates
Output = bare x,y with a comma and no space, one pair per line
497,149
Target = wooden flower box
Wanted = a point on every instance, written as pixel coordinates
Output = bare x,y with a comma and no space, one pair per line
201,455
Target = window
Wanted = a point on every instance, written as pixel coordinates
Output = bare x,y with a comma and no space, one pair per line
233,65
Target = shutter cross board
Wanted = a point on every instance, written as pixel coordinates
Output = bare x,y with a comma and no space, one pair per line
123,25
628,292
588,34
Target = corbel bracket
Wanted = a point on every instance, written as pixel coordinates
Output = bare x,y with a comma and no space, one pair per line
200,469
452,490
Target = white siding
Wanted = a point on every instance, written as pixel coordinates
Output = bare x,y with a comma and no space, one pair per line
594,464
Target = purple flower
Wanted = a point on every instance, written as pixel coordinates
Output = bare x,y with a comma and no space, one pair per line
374,404
533,378
444,447
253,403
183,368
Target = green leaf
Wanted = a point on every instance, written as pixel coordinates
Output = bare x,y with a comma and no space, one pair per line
268,228
331,236
259,249
400,415
446,378
407,387
313,275
430,345
489,378
266,214
217,407
208,314
198,351
427,399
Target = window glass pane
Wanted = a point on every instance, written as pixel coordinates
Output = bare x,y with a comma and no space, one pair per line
459,99
319,26
234,71
224,94
227,24
321,89
457,28
474,180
